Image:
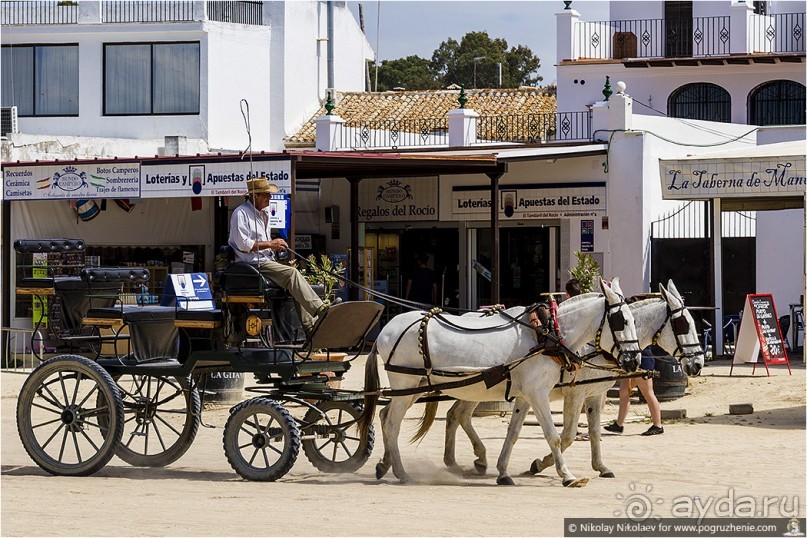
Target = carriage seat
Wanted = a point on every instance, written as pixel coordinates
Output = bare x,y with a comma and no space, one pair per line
49,245
244,280
46,285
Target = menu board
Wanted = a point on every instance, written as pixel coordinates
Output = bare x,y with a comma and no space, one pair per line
771,341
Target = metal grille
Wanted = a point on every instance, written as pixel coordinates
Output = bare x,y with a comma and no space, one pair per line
395,133
779,102
700,101
781,32
154,11
690,221
12,13
8,120
236,12
534,128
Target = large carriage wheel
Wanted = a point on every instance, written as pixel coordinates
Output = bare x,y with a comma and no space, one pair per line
70,416
337,446
161,418
261,439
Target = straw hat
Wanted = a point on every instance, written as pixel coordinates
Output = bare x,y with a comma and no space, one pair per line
261,185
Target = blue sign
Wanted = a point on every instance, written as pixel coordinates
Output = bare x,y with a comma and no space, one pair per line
586,235
188,291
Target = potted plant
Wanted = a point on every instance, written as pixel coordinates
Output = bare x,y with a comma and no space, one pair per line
586,272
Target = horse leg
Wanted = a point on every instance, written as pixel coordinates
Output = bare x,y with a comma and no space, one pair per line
572,402
594,413
466,413
391,418
460,414
540,406
520,408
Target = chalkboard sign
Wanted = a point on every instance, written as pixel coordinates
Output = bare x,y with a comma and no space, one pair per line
763,336
771,341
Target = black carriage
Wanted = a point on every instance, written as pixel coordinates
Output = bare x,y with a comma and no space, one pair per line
124,387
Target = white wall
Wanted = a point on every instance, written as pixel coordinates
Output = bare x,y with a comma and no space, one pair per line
780,256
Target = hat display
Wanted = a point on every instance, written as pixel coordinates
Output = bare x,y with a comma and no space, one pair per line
261,185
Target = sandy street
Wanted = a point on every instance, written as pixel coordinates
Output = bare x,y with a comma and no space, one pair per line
710,455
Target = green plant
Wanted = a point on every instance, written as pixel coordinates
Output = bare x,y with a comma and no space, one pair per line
586,272
323,272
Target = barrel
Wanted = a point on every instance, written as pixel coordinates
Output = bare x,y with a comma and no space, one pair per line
220,387
486,409
672,381
87,209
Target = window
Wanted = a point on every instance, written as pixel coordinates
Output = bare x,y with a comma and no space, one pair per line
779,102
151,78
700,101
40,80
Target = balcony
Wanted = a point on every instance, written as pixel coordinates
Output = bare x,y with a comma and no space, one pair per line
19,13
741,33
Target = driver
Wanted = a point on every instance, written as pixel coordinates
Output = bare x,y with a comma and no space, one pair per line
251,239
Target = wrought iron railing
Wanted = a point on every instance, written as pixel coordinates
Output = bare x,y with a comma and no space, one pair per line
236,12
155,11
781,32
534,128
35,12
395,134
653,38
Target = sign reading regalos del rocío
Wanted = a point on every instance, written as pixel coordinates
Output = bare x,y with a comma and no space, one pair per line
727,178
400,199
72,181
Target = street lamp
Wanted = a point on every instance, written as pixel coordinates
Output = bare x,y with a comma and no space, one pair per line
476,61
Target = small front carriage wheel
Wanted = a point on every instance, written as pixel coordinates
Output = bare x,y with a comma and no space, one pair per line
261,440
70,416
333,443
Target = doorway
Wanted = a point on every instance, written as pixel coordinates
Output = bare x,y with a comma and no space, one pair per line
441,248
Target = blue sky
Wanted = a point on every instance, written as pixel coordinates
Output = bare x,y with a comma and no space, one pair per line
418,27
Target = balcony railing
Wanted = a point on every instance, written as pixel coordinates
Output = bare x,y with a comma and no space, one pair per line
394,134
534,128
653,38
129,11
781,32
18,13
156,11
236,12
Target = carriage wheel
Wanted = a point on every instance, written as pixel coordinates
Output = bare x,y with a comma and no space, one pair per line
337,446
70,416
261,440
161,418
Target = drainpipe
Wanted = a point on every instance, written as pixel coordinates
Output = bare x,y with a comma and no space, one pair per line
330,45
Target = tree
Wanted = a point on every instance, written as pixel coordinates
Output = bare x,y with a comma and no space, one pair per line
455,62
412,73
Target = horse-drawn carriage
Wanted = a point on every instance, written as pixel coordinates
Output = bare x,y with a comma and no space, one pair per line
125,388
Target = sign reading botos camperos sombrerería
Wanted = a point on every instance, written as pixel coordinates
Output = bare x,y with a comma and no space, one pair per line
727,178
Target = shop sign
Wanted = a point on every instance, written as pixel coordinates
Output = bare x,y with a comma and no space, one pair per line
731,178
523,202
72,181
398,199
211,179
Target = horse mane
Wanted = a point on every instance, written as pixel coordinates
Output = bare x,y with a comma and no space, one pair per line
572,303
646,302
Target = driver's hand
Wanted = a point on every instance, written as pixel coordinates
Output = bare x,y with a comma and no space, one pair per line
278,244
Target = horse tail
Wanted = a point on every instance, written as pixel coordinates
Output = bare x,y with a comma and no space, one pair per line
371,386
426,421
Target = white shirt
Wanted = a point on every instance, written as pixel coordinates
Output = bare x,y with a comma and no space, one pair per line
247,226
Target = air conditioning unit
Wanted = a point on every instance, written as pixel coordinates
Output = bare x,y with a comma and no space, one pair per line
8,120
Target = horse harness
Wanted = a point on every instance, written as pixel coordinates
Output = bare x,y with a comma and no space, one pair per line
680,327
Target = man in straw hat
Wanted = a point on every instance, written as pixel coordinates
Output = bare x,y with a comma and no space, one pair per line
251,239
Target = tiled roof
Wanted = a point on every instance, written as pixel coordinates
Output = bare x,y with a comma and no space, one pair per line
360,107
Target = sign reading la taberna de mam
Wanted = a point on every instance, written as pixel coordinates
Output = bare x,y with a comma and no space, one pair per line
702,179
72,181
399,199
538,201
211,179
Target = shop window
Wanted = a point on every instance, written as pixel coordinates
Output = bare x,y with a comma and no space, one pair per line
700,101
151,78
40,80
778,102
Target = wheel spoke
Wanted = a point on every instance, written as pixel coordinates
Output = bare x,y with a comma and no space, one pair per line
254,454
270,445
64,442
167,425
64,389
48,409
46,443
75,389
87,397
75,443
266,456
54,400
46,423
89,440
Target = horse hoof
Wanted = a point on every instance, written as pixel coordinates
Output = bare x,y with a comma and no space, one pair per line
576,483
536,467
405,479
380,471
607,474
481,468
505,481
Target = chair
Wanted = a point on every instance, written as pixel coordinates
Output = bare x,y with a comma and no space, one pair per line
784,325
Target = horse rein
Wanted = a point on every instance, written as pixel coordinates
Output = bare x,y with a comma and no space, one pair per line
680,327
616,322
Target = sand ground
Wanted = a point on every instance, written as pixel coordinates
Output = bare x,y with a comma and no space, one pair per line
710,455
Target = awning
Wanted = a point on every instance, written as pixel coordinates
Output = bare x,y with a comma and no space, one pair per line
770,176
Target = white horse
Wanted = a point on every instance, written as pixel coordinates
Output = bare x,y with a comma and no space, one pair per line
665,322
420,351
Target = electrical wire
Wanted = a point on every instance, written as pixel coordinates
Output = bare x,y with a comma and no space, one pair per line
685,122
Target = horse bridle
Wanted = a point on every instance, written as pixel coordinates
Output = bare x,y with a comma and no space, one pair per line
680,327
616,323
